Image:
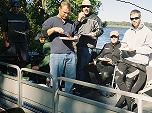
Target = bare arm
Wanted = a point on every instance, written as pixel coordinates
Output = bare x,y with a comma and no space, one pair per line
4,34
55,29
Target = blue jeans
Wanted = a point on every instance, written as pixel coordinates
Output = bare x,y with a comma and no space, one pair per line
84,56
20,49
64,65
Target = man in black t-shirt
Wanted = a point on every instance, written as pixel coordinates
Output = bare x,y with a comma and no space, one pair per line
15,25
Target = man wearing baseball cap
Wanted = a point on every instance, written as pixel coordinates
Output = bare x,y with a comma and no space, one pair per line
15,25
89,28
114,33
102,67
43,65
15,3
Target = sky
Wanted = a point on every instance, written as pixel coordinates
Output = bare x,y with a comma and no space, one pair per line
113,10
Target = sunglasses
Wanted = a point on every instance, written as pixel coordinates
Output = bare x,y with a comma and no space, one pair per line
86,6
136,18
113,36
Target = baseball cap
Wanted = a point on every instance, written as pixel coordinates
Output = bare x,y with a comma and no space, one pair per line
15,3
114,33
38,36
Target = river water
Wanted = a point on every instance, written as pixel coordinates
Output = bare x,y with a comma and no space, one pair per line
105,37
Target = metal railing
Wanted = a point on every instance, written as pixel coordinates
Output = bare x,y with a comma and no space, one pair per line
43,74
55,92
140,98
19,80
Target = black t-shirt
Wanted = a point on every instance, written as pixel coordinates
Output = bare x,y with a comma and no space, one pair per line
12,23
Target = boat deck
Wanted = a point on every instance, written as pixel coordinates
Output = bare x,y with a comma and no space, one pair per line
112,100
27,95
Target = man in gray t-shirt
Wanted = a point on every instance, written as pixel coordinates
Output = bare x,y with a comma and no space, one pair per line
62,57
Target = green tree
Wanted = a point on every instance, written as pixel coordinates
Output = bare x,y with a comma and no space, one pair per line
39,11
104,23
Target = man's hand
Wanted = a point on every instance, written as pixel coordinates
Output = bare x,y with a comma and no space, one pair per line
7,44
92,35
59,30
55,29
81,15
76,39
4,34
35,68
91,63
110,62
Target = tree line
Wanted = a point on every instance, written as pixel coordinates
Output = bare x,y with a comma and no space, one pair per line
38,11
124,24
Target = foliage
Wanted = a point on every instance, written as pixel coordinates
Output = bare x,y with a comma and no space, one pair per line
76,7
104,23
37,14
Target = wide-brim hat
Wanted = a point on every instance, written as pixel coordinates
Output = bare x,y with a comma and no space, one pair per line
114,33
86,3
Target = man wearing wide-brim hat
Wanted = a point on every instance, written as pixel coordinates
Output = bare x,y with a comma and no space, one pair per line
87,3
89,28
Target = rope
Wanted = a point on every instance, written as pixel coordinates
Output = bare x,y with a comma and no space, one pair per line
135,5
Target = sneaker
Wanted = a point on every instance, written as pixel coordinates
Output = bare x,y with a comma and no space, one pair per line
134,106
107,94
121,105
92,95
81,91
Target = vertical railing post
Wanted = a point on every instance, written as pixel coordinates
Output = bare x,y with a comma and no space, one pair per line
140,106
55,97
19,75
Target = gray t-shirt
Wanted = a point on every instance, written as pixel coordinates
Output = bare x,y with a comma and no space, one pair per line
59,46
